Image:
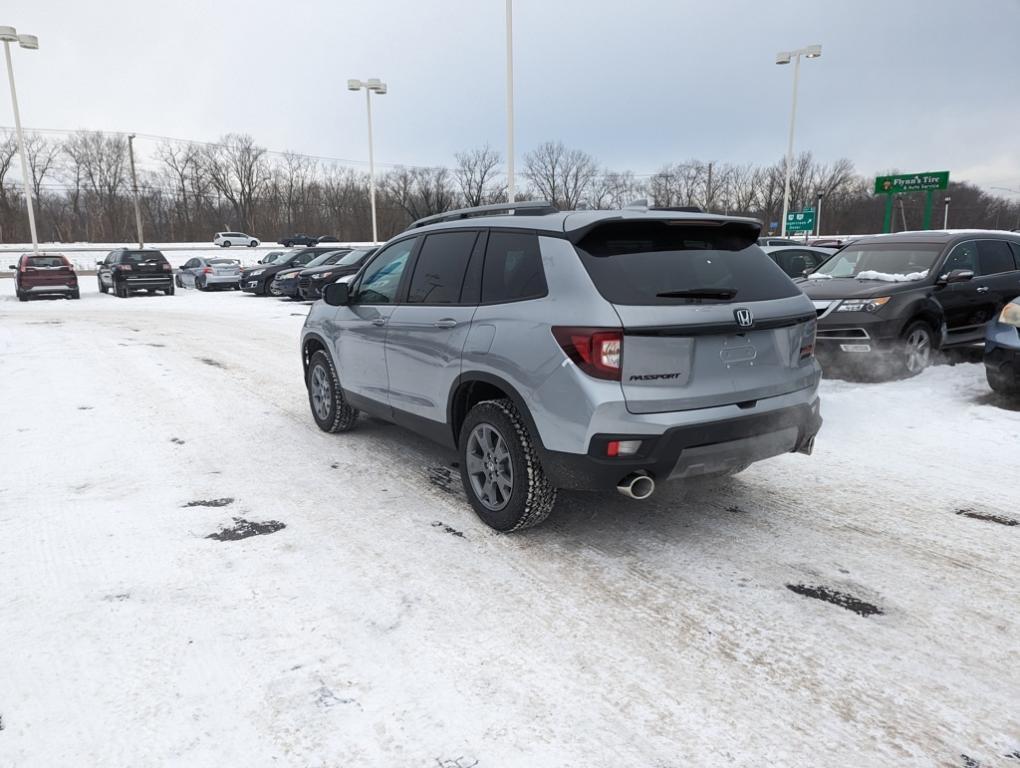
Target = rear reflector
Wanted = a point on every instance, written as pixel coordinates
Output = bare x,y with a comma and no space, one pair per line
596,351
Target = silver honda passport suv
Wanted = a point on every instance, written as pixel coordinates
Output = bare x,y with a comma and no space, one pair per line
582,350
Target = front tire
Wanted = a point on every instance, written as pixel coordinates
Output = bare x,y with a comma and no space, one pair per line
226,243
253,243
22,296
500,469
916,348
1003,383
332,413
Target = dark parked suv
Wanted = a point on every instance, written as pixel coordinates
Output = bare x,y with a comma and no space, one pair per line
885,302
298,239
131,269
44,274
311,280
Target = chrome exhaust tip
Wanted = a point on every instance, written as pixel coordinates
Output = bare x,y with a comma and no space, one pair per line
638,485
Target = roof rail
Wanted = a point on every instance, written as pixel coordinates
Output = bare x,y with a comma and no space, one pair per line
522,207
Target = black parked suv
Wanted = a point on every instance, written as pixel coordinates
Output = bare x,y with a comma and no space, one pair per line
257,279
311,280
885,302
133,269
299,239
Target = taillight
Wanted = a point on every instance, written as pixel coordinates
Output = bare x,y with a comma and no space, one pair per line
168,268
122,267
596,351
207,271
807,340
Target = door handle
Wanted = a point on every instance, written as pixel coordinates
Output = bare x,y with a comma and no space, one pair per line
379,321
446,322
983,289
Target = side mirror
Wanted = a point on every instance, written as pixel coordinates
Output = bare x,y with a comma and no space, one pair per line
99,262
957,276
13,266
337,294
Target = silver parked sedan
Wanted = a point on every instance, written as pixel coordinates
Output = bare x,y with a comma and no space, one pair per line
205,274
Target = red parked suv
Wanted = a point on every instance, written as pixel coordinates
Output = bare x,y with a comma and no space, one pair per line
44,274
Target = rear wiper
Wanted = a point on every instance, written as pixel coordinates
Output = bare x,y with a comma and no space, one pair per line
699,293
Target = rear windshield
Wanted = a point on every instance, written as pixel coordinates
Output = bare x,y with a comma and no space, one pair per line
877,261
47,261
224,262
649,263
141,257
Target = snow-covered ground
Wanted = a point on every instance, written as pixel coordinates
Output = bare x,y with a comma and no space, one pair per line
386,626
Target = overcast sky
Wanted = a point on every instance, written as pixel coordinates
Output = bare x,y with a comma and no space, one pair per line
915,85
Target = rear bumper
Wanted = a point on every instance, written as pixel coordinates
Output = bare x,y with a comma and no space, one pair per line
221,279
690,450
64,288
149,281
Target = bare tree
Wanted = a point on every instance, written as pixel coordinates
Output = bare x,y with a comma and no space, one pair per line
238,171
420,192
614,189
476,175
562,176
101,163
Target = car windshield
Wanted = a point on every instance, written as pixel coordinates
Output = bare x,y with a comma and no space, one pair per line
882,261
352,258
272,256
141,257
322,258
46,261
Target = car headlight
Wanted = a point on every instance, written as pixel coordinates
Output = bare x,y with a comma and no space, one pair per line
322,276
256,273
863,305
1010,315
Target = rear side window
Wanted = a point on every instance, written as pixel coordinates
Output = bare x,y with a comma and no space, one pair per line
47,261
513,268
650,263
440,269
994,256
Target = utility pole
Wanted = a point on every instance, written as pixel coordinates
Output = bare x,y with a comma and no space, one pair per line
9,35
134,189
945,216
511,187
708,190
818,214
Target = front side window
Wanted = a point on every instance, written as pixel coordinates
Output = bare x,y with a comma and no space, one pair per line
513,268
963,256
994,257
440,269
381,279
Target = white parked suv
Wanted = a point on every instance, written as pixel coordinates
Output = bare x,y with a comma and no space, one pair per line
227,239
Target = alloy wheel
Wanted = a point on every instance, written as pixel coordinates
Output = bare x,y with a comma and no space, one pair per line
322,392
918,350
489,467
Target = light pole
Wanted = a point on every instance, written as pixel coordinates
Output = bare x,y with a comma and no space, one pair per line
134,189
379,87
10,35
818,214
945,216
784,57
511,188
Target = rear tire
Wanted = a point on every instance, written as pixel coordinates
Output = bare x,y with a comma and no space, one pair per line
169,291
916,348
102,288
500,469
121,290
76,294
22,296
325,397
200,284
226,243
253,243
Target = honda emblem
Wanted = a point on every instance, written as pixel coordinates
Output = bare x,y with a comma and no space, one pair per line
744,317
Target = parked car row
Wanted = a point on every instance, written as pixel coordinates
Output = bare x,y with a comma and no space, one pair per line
227,239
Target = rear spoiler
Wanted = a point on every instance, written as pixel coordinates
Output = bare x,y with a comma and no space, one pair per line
745,232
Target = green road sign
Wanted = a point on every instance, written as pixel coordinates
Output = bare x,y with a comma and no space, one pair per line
800,221
911,182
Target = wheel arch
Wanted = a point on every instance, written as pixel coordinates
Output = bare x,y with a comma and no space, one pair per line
310,344
472,387
929,311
